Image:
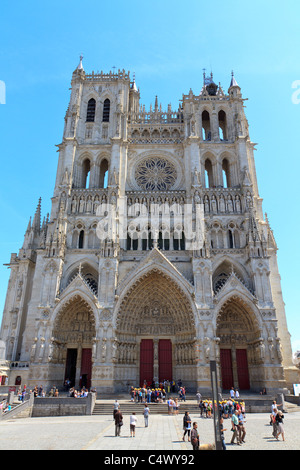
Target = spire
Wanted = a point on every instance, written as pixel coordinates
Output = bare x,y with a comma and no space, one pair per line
36,224
79,71
80,66
233,81
133,85
234,89
29,225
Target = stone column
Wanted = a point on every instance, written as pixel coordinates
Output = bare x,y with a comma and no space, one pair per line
234,366
155,360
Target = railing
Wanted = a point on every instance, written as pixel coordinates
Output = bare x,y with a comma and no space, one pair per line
26,406
140,140
172,117
121,75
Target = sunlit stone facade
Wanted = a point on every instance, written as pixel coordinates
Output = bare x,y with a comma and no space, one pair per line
111,288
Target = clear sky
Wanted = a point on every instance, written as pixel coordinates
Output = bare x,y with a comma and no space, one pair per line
166,44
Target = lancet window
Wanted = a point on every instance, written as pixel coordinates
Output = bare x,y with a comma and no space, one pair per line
106,110
91,110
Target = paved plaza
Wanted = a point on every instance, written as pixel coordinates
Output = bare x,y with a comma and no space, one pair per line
163,434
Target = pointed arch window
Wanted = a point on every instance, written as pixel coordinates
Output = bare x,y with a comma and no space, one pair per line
104,174
226,173
208,174
222,125
81,239
86,169
106,110
91,110
206,131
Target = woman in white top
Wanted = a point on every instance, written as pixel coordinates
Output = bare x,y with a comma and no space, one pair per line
133,421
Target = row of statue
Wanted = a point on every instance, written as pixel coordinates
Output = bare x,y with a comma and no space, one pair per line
98,204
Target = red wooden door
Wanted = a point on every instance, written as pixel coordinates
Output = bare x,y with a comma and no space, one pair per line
226,369
165,359
146,361
242,369
86,368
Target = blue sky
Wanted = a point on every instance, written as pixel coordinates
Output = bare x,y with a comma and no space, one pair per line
167,44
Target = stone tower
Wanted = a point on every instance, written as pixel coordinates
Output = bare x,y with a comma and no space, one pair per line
156,257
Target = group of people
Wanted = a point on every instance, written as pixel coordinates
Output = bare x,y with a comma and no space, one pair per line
118,418
22,393
39,391
169,386
78,393
53,392
156,394
173,406
143,395
226,408
191,430
4,406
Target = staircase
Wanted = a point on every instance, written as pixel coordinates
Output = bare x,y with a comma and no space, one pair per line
126,407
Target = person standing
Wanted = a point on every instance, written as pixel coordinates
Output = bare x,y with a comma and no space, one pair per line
222,432
170,406
235,428
242,430
274,422
133,421
118,422
187,425
274,409
195,440
115,408
279,420
201,406
146,415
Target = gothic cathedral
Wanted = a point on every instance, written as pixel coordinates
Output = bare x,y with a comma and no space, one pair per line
156,257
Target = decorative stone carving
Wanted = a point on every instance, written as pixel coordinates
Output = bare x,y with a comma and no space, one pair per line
155,174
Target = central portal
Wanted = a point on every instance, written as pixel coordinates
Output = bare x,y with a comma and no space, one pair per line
155,332
155,361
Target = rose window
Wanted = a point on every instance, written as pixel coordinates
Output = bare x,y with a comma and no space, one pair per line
155,174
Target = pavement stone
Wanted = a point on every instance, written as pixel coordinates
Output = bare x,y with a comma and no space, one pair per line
163,434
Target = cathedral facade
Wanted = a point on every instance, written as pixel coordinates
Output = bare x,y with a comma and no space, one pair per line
156,257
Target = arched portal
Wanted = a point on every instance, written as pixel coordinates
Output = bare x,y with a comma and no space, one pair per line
155,330
239,335
72,342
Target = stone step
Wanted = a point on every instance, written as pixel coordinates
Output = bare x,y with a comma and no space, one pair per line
155,408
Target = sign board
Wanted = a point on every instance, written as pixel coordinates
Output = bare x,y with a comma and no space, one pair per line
296,390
